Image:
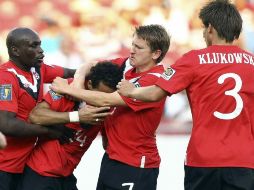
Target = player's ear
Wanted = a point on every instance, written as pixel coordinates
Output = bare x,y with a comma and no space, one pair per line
156,54
89,85
15,51
210,28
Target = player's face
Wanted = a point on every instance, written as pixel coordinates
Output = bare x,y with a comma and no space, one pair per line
30,52
141,55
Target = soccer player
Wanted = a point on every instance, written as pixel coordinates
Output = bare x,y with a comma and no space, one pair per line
219,83
51,164
21,87
131,159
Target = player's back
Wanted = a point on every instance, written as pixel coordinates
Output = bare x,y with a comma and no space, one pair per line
221,95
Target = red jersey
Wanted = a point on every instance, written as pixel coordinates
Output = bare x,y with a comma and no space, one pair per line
131,130
219,85
19,92
49,157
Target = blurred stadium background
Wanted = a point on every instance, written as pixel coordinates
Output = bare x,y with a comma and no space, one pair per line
74,32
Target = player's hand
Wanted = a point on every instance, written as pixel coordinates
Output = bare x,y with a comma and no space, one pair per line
125,88
93,115
59,85
62,133
3,141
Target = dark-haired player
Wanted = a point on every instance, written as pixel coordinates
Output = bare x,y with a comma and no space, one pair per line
21,87
51,163
131,160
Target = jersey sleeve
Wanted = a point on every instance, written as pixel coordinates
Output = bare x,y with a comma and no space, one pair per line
119,61
177,77
9,91
58,102
54,100
51,72
137,105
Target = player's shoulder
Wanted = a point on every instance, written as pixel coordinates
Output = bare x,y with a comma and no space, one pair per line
247,52
7,71
5,66
154,73
119,60
190,58
194,52
45,66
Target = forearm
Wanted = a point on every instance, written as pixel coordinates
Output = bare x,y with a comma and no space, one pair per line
48,117
96,98
18,128
148,94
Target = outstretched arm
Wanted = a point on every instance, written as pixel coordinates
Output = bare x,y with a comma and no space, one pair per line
42,114
147,94
91,97
12,126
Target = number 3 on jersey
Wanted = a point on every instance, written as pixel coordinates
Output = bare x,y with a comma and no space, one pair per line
233,93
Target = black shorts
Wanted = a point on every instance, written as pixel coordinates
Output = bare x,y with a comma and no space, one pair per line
9,181
228,178
115,175
34,181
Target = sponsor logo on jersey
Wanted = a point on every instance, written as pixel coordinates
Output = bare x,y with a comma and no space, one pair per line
168,73
55,96
5,92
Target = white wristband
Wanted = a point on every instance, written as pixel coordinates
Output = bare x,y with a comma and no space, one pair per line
74,117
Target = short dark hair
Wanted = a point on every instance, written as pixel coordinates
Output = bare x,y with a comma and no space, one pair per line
156,37
107,73
224,17
16,35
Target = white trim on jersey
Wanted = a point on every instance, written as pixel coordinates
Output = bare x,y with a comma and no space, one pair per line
24,81
143,161
127,67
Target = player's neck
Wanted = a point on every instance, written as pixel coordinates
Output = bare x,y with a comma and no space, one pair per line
145,67
20,65
221,42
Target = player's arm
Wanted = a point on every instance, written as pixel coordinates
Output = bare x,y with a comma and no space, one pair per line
42,114
12,126
91,97
81,73
148,94
68,73
97,98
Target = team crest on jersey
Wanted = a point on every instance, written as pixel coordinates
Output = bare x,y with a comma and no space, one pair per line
168,73
55,96
5,92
